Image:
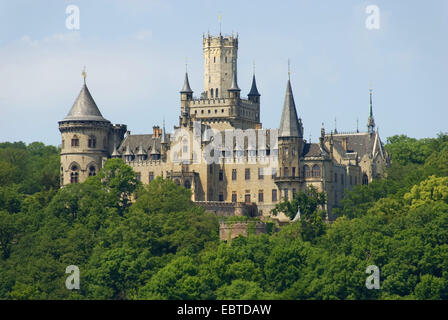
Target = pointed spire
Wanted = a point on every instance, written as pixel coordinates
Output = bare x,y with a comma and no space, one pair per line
154,150
84,108
128,151
141,151
163,140
186,88
289,124
371,120
234,85
253,90
115,153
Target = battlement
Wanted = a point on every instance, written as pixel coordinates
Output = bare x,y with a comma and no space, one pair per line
219,40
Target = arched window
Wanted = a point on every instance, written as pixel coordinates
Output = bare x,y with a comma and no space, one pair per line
211,92
74,175
92,171
365,179
92,142
187,184
316,171
306,171
75,141
216,92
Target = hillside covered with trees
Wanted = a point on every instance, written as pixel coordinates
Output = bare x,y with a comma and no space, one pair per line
162,246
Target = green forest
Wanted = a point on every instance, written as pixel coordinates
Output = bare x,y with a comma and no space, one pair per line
133,241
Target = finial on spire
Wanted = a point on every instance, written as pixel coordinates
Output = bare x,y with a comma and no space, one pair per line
335,126
289,70
253,66
186,64
371,120
220,22
84,74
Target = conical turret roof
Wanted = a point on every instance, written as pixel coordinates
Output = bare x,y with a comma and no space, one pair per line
84,108
186,88
289,123
253,90
234,85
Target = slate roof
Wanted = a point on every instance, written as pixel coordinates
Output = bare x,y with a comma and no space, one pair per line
84,108
289,123
253,90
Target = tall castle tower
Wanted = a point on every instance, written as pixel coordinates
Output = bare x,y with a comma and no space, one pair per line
220,105
220,64
290,146
87,139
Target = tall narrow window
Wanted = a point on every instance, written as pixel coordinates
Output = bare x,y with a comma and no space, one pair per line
151,176
293,171
316,171
233,196
365,179
216,93
274,173
221,175
225,59
211,92
274,195
233,174
75,141
221,196
260,196
247,174
92,142
286,172
74,175
260,174
92,171
306,171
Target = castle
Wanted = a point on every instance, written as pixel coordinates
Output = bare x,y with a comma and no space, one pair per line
219,150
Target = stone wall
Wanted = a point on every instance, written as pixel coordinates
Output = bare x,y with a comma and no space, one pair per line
229,231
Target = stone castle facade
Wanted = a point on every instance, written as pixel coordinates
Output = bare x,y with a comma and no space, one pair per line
219,150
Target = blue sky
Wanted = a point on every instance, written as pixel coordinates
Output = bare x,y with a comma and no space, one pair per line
135,54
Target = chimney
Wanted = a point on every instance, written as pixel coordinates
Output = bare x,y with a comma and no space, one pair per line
155,131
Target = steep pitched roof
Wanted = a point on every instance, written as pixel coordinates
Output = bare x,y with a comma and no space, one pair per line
84,108
186,88
289,123
253,90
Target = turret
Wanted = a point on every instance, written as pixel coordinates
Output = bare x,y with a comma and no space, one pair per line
234,90
290,144
253,94
85,139
220,53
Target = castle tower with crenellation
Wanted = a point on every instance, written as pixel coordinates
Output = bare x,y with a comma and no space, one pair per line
220,105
